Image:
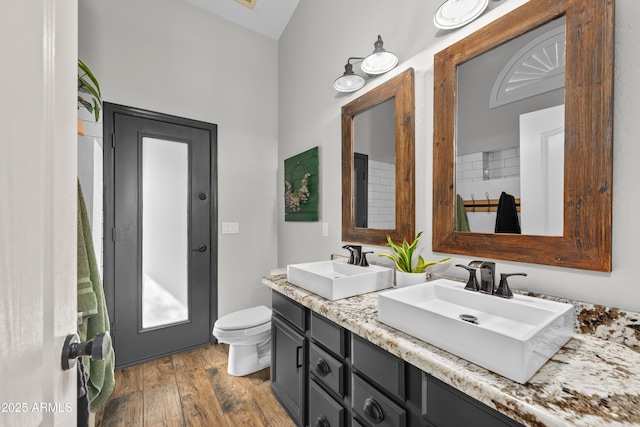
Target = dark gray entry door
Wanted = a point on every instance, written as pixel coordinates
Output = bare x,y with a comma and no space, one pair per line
163,245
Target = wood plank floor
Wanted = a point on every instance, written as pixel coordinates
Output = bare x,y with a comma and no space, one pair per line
191,389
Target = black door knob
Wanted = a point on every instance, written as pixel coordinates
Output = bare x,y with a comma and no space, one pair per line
201,248
97,348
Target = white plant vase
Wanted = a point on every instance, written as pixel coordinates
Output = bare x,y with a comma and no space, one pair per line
407,279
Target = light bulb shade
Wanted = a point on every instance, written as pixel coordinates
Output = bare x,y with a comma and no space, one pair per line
380,61
348,83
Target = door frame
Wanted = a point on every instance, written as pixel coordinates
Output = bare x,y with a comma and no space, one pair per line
109,112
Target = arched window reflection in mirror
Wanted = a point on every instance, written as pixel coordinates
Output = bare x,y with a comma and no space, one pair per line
585,240
378,164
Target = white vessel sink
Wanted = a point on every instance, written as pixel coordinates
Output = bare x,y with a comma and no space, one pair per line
512,337
337,279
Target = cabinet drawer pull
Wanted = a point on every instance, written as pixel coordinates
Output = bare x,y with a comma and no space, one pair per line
322,421
322,368
373,409
298,358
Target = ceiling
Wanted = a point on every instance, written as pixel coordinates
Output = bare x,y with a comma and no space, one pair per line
268,17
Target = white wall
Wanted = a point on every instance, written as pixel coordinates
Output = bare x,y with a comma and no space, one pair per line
374,132
90,169
171,57
312,56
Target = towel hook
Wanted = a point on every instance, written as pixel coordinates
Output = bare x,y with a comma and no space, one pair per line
488,202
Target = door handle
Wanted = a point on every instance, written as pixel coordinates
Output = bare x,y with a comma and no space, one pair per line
322,421
298,358
97,348
201,248
322,368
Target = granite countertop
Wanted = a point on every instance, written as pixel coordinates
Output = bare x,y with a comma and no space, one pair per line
591,381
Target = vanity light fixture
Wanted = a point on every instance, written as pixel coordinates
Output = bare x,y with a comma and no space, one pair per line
379,62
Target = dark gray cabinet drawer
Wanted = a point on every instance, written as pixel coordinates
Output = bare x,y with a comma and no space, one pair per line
290,310
374,407
323,410
328,334
327,369
378,365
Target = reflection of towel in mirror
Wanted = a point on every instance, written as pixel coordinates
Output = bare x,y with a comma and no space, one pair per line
462,222
507,216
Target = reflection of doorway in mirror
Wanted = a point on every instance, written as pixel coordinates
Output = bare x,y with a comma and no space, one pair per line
374,190
374,193
361,189
542,171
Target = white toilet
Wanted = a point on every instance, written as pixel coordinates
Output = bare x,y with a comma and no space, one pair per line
248,333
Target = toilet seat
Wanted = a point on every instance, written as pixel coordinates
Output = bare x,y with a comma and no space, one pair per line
250,321
223,334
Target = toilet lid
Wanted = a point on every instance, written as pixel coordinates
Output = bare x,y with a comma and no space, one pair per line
243,319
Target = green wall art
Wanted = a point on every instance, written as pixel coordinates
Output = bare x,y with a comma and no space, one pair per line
301,186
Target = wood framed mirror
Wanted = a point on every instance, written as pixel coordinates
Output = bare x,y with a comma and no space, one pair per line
585,241
362,118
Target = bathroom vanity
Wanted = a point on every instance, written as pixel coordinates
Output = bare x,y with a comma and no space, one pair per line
334,364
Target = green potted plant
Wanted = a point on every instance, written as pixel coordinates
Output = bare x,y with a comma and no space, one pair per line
410,270
89,95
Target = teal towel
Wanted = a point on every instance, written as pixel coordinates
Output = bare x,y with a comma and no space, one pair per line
462,222
99,373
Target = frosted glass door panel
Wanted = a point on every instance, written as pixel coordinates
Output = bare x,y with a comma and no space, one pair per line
165,227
